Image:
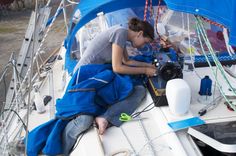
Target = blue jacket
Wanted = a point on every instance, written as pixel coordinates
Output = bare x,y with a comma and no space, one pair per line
90,85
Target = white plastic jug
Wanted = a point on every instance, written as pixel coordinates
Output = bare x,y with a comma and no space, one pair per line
178,94
39,103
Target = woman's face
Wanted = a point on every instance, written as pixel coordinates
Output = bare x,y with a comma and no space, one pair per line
139,41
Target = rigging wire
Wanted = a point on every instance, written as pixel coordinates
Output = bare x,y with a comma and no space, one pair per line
5,86
30,75
12,63
40,46
136,114
23,82
2,79
24,125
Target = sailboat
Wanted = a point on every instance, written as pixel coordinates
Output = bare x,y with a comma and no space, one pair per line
189,108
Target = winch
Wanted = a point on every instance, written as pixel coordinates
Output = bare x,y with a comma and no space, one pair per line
166,70
169,70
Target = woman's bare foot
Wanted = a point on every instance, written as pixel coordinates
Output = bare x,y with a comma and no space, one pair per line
102,124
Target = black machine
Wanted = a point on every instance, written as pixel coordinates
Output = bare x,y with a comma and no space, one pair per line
156,85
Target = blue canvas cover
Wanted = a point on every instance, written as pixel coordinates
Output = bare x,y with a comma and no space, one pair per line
88,11
223,12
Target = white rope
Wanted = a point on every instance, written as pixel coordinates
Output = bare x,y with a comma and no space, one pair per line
150,146
65,18
183,22
132,147
226,37
48,3
125,152
155,138
72,2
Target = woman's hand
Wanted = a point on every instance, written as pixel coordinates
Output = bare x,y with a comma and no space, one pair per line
164,42
150,72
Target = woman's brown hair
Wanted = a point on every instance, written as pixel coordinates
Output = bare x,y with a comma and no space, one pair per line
137,25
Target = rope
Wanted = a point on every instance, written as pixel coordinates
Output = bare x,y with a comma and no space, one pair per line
156,40
151,9
156,20
72,2
201,32
217,62
65,18
145,10
212,22
125,152
48,3
133,149
145,134
150,141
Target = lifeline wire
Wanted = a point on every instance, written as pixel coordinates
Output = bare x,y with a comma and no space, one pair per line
34,58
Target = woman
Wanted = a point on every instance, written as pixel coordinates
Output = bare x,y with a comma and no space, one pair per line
110,47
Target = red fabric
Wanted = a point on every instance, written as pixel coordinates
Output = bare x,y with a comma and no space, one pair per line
217,40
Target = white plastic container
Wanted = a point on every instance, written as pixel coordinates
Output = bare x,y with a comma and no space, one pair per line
38,100
178,94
